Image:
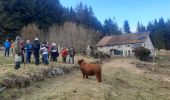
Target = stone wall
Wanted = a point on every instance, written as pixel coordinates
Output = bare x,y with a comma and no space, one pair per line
40,75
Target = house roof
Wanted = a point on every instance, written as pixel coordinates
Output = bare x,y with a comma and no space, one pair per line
123,39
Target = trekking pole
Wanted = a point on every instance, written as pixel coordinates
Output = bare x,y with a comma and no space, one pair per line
24,59
24,64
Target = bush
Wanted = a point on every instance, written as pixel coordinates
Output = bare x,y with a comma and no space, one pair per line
142,53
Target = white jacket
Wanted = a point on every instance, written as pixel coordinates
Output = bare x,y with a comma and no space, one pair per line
44,50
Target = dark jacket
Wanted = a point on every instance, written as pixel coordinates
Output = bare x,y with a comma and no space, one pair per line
22,48
36,46
54,50
71,52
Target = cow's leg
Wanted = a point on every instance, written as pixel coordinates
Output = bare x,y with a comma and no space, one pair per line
83,75
86,76
98,77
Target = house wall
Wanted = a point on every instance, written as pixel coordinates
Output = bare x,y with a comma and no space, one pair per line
149,44
127,48
124,48
105,49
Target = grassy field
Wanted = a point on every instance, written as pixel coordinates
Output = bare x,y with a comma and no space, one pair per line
121,81
6,60
7,66
163,59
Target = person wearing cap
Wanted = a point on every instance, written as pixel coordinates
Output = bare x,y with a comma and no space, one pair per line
36,48
17,51
28,48
54,52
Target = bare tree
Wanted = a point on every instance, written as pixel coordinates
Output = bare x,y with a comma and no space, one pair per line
74,35
31,31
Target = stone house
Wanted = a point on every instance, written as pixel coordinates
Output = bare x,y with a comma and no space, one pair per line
124,45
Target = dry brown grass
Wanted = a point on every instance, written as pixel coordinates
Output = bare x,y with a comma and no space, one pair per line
121,81
7,66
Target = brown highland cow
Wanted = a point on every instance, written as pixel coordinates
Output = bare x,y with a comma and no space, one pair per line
90,70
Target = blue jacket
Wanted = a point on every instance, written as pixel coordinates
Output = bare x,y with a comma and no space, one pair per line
7,45
28,47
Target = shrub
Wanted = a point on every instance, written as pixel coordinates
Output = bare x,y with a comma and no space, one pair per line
142,53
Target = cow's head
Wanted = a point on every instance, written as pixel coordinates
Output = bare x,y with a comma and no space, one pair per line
81,61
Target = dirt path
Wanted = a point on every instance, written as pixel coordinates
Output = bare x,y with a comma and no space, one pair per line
121,81
123,63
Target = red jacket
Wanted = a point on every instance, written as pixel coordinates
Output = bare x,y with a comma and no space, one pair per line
64,53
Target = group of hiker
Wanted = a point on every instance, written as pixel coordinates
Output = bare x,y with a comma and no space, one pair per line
21,48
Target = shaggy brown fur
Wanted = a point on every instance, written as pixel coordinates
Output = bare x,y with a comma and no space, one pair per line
90,69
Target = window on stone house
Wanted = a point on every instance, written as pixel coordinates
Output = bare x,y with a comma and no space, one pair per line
133,51
128,45
119,46
139,45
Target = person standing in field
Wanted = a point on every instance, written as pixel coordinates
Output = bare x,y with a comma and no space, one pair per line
7,46
54,52
22,50
48,46
12,47
44,50
17,51
28,48
71,55
64,54
36,48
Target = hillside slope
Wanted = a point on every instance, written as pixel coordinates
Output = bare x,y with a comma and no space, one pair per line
121,81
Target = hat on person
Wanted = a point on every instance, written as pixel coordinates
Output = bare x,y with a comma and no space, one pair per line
53,44
36,39
17,38
28,41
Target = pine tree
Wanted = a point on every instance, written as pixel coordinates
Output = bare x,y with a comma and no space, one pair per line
126,27
159,32
110,27
142,28
138,27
